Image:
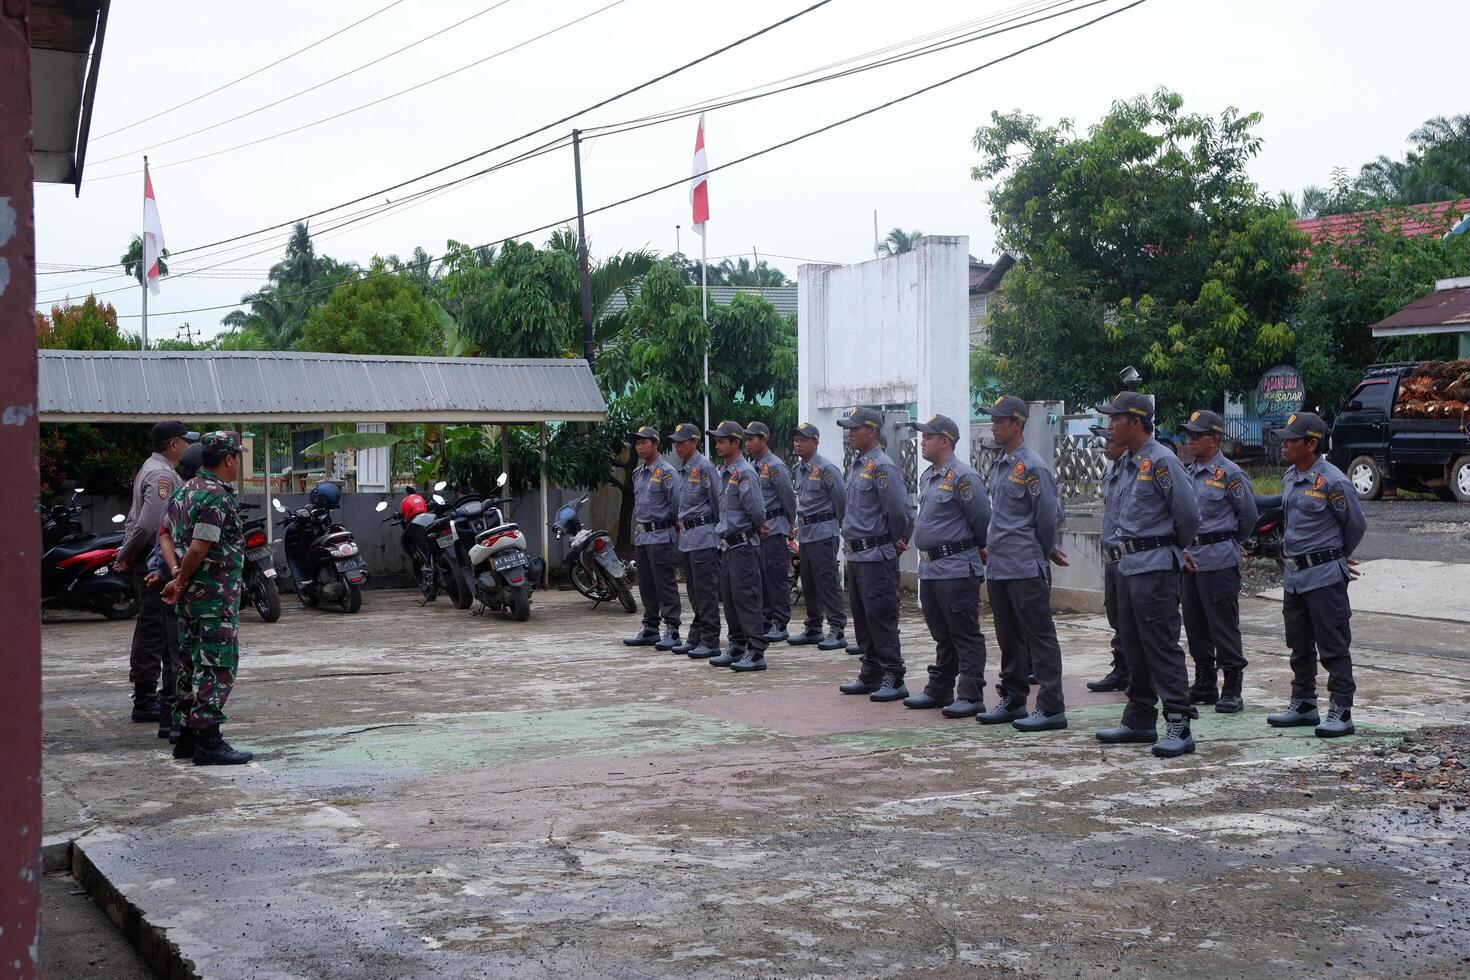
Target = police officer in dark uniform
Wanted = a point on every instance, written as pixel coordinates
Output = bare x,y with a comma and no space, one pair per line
1116,679
821,499
655,510
1156,522
1324,525
742,527
780,499
1022,540
699,513
1227,519
875,530
954,515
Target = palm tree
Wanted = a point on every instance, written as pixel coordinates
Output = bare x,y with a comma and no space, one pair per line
132,260
618,273
898,241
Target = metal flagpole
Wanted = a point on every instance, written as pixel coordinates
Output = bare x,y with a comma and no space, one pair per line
143,259
704,303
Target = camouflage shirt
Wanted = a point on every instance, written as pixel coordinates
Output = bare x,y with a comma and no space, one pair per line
208,512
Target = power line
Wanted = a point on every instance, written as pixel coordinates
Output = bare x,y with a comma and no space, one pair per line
248,75
682,181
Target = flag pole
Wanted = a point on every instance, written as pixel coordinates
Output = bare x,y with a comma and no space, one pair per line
704,304
143,260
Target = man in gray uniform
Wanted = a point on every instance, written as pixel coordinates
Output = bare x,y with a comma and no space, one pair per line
1156,522
875,530
699,512
1227,518
954,515
821,498
163,564
1324,525
741,528
655,508
1022,540
780,500
1113,482
152,487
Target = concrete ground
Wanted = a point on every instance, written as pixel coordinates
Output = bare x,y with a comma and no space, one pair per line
436,794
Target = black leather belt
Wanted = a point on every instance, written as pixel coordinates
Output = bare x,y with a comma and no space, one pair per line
945,550
1132,546
691,522
737,537
829,515
645,526
868,544
1317,558
1214,537
775,512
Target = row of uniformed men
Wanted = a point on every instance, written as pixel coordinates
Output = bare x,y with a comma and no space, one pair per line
1159,522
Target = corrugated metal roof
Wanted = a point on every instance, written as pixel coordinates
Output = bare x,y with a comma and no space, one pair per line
120,386
1448,309
783,298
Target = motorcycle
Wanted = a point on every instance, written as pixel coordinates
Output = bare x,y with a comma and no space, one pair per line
76,566
1268,539
428,538
591,563
259,582
500,571
321,556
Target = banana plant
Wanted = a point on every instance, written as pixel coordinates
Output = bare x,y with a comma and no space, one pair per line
345,442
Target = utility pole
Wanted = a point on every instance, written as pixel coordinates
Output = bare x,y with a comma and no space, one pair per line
589,350
677,246
877,252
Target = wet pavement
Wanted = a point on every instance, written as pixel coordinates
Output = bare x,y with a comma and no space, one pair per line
440,794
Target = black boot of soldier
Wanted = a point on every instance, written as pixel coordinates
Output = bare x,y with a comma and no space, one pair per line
185,744
145,703
1203,690
213,750
1230,700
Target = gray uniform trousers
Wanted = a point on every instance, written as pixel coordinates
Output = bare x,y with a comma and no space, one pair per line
658,586
952,610
1027,636
740,588
1148,612
702,578
145,663
875,617
819,586
1111,577
1317,626
776,579
1212,619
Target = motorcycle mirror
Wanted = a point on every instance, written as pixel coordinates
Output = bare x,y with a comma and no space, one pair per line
382,506
438,500
276,503
118,518
440,485
502,480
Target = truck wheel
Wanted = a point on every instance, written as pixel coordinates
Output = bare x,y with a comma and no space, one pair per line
1460,479
1366,477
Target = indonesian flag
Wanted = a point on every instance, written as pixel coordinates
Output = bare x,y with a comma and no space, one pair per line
152,233
699,186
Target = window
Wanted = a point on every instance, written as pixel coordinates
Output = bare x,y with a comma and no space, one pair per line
1373,396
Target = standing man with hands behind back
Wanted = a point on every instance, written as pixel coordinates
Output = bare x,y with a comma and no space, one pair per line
780,502
655,508
699,513
742,527
821,496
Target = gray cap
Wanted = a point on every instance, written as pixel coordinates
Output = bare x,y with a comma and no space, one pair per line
164,431
191,460
1303,425
809,431
684,431
940,425
728,430
1008,407
645,432
758,429
1134,403
855,418
1204,422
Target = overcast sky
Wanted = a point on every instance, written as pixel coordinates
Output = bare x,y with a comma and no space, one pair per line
1338,81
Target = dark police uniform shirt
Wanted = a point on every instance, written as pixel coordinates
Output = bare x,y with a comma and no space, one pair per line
877,504
741,506
699,496
1024,515
820,489
953,507
1113,485
1227,502
655,490
1158,503
1322,512
777,492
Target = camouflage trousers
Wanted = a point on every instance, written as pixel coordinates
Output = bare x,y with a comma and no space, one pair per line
209,656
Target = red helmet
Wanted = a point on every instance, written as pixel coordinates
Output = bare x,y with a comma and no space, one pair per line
413,505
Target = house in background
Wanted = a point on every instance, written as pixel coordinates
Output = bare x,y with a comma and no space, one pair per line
783,298
985,280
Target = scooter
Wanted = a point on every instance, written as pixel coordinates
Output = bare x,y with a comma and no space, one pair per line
76,567
499,567
591,563
429,538
321,556
259,581
1268,539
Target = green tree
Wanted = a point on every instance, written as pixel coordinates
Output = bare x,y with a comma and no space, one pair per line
90,326
296,285
898,241
1144,241
132,260
1436,168
381,314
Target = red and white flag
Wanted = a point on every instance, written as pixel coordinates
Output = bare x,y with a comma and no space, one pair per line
152,233
699,186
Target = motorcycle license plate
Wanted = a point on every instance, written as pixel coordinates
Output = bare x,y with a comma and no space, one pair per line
259,554
268,571
446,541
509,560
350,565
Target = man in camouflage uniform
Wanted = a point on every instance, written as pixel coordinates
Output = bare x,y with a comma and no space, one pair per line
207,591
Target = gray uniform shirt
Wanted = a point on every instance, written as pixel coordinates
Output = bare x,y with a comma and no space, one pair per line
152,486
820,489
1024,515
741,507
777,491
1113,485
952,507
877,504
699,496
1157,503
655,490
1322,512
1227,502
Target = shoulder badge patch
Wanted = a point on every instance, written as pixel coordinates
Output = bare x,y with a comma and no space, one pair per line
165,487
967,490
1339,501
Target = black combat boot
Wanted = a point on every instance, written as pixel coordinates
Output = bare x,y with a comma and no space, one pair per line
1230,700
184,745
1203,690
213,750
145,703
1115,680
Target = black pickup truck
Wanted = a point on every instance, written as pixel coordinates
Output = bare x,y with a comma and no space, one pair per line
1378,443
